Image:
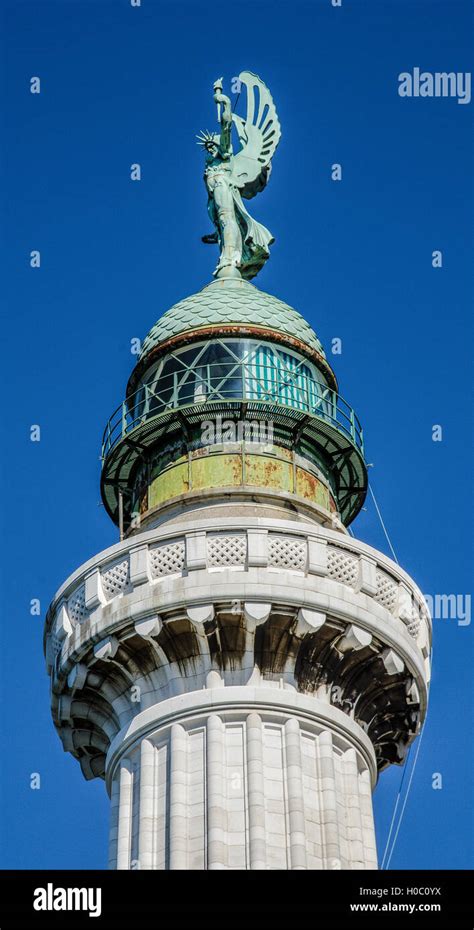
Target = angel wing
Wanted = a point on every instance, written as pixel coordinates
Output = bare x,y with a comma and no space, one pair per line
259,135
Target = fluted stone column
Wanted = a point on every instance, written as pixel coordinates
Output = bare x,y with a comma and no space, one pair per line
216,804
256,792
303,798
294,776
124,815
146,827
114,820
353,804
329,813
177,789
367,817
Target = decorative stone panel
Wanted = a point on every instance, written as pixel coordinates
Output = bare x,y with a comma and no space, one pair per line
387,591
167,559
287,552
342,566
116,578
76,605
225,551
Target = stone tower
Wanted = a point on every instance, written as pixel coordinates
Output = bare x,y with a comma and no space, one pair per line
238,668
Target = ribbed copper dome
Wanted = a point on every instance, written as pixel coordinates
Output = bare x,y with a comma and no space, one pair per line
230,301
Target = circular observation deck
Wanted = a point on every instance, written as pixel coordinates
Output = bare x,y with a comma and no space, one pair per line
318,425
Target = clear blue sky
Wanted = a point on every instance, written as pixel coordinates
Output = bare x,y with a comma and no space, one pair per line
121,85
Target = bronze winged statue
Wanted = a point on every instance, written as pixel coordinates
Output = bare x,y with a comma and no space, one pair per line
244,244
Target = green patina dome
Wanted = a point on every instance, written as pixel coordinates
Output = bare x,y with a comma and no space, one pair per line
230,300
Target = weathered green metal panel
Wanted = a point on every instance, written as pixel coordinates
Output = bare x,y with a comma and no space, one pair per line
267,472
217,471
312,488
171,483
220,470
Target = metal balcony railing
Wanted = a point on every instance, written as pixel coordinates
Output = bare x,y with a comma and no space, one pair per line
231,382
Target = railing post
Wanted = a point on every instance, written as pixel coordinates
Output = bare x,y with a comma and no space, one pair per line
120,514
106,442
353,433
320,404
124,419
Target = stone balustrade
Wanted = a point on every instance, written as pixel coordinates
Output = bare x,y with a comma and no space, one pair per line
302,551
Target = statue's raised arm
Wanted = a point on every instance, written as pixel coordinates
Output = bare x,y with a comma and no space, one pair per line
244,243
224,111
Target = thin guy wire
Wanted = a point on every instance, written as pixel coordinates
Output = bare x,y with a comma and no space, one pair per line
383,525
